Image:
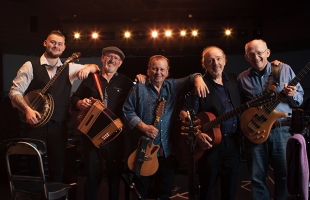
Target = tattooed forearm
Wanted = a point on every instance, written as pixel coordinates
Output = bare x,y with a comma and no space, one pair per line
19,102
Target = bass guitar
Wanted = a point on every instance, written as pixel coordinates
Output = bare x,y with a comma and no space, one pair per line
41,102
143,161
211,124
257,123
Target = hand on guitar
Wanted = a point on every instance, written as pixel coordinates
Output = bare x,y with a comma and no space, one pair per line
84,104
289,90
32,116
149,130
204,141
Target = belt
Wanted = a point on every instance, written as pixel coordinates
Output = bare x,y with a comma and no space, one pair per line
281,123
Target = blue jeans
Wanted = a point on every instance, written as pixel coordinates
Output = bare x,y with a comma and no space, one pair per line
272,152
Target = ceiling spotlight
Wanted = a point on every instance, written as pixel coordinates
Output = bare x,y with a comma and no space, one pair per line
228,32
77,35
183,33
95,35
168,33
127,34
154,34
194,33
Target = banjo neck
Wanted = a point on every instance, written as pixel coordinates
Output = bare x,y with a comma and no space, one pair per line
70,59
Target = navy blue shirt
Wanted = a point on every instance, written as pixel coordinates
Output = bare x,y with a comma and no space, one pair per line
227,127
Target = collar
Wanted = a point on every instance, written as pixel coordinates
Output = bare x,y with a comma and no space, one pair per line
266,71
148,83
224,78
43,61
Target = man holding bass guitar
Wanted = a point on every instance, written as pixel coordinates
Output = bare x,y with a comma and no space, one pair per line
34,76
142,112
221,160
272,150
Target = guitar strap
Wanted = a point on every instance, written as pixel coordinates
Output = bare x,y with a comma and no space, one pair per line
275,73
142,149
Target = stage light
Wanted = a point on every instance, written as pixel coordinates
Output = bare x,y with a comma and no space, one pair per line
127,34
154,34
228,32
183,33
194,33
168,33
77,35
95,35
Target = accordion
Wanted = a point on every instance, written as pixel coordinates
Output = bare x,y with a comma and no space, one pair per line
99,124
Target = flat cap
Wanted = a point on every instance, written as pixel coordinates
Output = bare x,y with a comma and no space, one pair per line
113,50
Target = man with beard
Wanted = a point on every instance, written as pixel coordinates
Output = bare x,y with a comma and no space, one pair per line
220,161
34,75
114,88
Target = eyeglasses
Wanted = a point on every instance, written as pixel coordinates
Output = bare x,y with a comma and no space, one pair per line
113,57
253,55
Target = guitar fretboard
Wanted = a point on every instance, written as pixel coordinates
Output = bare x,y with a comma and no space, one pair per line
281,95
254,102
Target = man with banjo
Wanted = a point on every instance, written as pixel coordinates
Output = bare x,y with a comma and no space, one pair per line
46,115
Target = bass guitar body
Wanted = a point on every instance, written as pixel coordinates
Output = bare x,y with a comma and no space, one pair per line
44,104
257,127
150,161
214,133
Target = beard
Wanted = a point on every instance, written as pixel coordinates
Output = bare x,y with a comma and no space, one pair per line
50,54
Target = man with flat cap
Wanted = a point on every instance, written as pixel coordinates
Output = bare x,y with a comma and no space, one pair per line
114,87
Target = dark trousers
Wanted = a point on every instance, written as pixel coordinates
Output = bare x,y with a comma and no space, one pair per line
221,161
113,154
160,184
55,136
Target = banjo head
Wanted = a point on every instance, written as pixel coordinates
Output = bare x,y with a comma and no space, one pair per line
44,104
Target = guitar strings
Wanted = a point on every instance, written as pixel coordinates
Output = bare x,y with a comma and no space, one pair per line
261,116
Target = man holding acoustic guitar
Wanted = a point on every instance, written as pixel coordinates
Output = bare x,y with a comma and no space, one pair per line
149,111
266,130
220,158
46,115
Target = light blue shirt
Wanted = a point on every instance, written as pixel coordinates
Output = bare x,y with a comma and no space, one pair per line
252,83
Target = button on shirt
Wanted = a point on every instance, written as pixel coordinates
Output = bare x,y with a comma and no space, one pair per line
143,100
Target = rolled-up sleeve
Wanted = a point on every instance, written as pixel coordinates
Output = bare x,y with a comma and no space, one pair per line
22,80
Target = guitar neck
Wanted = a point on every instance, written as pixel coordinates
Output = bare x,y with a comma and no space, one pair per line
48,85
225,117
293,82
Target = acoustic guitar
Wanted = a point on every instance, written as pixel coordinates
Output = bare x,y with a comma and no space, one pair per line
256,123
41,102
147,156
211,124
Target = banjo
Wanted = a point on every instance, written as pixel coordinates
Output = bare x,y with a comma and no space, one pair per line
41,102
